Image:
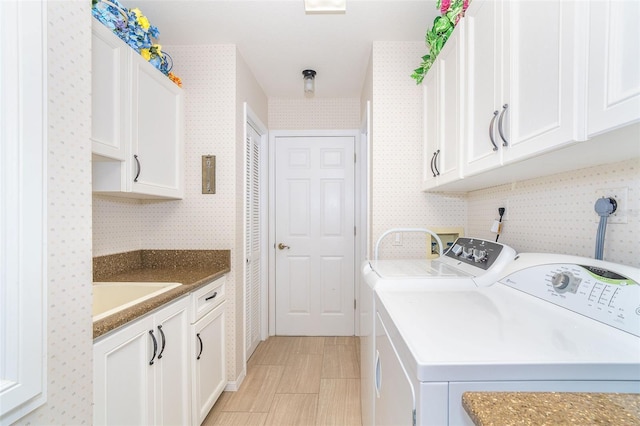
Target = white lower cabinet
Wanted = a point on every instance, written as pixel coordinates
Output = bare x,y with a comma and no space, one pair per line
208,365
141,372
208,361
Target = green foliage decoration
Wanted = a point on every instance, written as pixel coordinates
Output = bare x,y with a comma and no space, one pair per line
443,25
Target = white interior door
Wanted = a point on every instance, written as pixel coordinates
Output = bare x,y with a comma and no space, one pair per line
314,235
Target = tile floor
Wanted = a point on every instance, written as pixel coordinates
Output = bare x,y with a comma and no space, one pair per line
296,381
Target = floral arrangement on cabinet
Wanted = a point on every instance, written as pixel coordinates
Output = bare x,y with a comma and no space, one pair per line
450,13
135,30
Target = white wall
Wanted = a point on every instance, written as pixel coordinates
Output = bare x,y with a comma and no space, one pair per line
69,326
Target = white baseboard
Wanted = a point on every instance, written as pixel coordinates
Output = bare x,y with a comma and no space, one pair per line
233,386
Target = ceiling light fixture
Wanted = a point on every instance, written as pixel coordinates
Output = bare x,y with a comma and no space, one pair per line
309,81
325,6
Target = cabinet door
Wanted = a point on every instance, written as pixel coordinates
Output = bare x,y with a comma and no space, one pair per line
483,89
123,380
157,132
614,65
173,387
450,112
539,55
430,143
209,378
443,115
109,93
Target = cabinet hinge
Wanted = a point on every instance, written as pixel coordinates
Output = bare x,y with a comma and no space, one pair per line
354,304
354,157
354,231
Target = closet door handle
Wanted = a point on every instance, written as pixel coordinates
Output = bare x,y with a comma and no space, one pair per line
435,161
155,346
505,142
139,168
201,345
491,132
164,341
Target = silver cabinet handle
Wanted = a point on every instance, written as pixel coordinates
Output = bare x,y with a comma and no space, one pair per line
491,132
282,246
505,142
135,157
435,162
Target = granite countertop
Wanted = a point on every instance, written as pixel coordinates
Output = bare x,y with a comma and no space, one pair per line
552,408
192,268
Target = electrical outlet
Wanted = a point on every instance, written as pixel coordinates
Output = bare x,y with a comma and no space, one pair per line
618,194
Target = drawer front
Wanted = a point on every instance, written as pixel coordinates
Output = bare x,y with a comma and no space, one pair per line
207,298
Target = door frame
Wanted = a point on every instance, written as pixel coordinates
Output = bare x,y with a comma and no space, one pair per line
359,192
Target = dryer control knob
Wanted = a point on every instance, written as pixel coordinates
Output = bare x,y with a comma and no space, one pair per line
479,255
561,280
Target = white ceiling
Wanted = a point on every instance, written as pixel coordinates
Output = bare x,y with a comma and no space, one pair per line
278,40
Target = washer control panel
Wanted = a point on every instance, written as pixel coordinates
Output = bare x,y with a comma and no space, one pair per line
474,251
598,293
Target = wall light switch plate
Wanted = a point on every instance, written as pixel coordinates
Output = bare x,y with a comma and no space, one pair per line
618,194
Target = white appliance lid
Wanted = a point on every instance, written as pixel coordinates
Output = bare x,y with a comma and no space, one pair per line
499,333
415,268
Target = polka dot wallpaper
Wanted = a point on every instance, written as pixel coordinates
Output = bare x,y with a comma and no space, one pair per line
555,214
316,114
69,299
396,152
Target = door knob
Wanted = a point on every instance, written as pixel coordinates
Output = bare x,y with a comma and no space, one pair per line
282,246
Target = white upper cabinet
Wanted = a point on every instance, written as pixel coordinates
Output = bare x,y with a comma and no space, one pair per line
614,65
520,80
109,76
443,115
138,123
483,88
157,132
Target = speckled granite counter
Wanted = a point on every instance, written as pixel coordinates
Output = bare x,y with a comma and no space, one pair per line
552,408
192,268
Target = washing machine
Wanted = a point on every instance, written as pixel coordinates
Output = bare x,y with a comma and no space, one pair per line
467,264
551,323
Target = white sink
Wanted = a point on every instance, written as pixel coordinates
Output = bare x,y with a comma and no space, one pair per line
112,297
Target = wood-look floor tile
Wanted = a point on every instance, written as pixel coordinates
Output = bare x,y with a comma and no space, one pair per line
273,351
308,345
301,374
339,402
340,340
235,418
293,409
257,391
340,362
